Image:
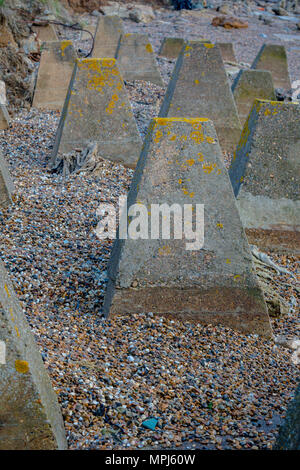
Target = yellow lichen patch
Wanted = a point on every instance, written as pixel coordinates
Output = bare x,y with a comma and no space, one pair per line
228,261
101,72
190,161
196,82
17,331
208,45
220,225
21,366
11,314
201,157
164,250
106,61
273,103
210,140
236,277
6,290
164,121
149,48
180,181
267,112
197,126
197,136
63,46
187,48
208,168
158,136
192,194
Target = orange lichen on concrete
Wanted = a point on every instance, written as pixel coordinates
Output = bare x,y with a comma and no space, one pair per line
6,290
21,366
149,48
64,45
164,121
101,72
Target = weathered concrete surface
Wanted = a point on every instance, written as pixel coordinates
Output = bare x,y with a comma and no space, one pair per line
2,92
136,59
265,174
84,35
97,109
273,58
289,433
171,47
199,87
4,117
55,71
6,183
30,417
45,33
181,163
108,33
249,85
227,51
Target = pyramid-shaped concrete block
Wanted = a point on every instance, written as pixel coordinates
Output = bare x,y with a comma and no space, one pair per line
265,174
171,47
227,51
136,59
4,117
249,85
45,33
6,183
199,87
97,110
55,71
29,411
272,57
108,32
181,168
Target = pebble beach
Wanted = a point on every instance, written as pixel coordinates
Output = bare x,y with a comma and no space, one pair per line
203,387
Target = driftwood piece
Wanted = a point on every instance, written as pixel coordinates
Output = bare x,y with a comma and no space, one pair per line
78,160
266,271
